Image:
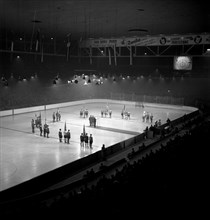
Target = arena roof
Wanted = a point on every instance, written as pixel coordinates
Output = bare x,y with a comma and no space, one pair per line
104,18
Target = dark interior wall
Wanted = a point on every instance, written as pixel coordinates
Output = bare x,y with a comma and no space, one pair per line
27,64
193,85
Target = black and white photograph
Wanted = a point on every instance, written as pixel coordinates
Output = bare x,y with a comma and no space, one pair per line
104,109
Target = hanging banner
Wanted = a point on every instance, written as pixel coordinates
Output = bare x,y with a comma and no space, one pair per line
160,40
68,46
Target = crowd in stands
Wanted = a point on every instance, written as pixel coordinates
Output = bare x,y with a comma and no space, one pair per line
170,178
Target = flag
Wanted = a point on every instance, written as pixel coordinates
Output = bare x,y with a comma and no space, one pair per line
110,59
42,55
11,36
40,118
24,41
65,127
68,45
115,56
12,45
42,49
68,40
131,61
91,52
79,48
84,130
37,40
80,41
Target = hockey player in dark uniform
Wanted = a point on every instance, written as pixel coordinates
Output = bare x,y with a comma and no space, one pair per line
47,131
82,140
94,122
53,116
68,136
60,135
32,125
110,113
65,136
41,130
86,140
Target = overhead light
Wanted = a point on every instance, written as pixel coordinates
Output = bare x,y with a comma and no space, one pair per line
137,29
5,82
36,21
20,78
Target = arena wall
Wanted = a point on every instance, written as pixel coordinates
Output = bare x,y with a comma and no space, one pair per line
82,102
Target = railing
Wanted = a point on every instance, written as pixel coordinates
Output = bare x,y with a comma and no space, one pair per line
140,99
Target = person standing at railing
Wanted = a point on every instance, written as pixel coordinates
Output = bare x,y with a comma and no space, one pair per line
32,125
151,118
103,153
91,141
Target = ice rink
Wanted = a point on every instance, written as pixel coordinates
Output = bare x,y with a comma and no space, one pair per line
25,155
